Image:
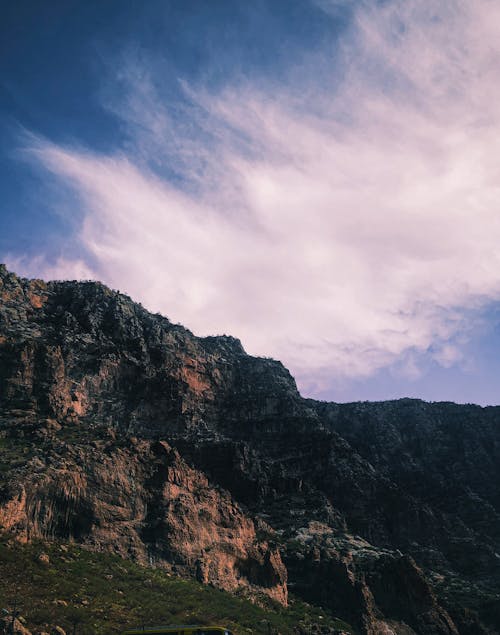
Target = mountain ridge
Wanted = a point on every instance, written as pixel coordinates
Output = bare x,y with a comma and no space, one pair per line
375,511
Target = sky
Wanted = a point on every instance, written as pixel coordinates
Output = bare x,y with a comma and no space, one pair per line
319,178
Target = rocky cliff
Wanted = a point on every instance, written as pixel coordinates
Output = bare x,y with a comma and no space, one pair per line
125,432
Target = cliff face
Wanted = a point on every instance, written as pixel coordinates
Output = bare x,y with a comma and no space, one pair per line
125,432
140,500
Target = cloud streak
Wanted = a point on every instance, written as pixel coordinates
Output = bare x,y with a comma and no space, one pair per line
341,227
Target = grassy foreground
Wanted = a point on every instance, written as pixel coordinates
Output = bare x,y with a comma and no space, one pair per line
93,593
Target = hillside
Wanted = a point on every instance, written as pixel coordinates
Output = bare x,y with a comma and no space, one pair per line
55,584
126,434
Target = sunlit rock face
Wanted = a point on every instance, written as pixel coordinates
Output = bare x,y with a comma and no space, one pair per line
126,433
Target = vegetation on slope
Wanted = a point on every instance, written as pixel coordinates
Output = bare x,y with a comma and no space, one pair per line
94,593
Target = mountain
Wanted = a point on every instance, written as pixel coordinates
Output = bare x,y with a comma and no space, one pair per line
125,433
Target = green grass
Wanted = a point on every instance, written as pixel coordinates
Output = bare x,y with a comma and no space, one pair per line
102,594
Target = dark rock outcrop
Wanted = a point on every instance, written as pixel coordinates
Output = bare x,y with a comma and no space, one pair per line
123,431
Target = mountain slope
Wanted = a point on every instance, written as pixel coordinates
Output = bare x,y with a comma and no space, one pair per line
125,432
98,593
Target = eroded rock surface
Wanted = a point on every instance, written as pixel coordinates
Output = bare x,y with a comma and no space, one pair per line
125,432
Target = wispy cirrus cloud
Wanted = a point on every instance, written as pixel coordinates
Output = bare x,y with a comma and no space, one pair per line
340,227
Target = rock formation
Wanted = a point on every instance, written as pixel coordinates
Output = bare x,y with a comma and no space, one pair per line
125,432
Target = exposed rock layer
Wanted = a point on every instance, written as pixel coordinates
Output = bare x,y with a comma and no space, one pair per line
127,432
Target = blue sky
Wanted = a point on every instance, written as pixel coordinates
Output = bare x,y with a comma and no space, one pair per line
316,177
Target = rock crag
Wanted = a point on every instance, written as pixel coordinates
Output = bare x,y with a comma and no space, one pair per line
124,432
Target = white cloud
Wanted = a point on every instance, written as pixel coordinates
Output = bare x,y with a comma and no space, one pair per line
337,230
61,269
